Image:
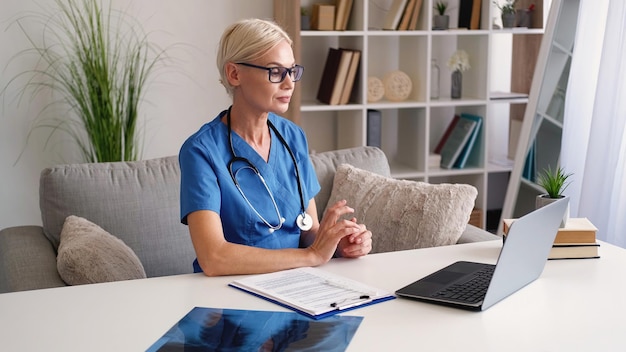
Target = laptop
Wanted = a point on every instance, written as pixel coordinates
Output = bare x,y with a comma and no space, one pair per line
478,286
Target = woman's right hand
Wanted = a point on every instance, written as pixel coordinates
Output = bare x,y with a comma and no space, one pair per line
331,230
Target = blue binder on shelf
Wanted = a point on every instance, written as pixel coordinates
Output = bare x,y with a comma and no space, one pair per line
455,143
530,165
468,149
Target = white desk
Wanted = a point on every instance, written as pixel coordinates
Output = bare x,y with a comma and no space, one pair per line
576,305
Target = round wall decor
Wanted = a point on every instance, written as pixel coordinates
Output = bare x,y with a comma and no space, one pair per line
397,85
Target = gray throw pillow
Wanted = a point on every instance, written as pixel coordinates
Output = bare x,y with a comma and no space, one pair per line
404,214
88,254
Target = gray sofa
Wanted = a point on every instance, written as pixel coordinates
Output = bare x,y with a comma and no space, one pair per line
139,203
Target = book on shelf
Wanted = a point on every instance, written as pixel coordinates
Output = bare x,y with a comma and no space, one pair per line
465,13
343,9
394,14
446,134
224,329
500,95
334,75
455,143
374,128
406,15
350,77
312,292
468,149
515,128
415,15
574,251
576,230
469,14
475,19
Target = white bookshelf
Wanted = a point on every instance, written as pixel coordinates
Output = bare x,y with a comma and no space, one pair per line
412,128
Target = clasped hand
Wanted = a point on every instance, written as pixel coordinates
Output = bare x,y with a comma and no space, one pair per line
345,238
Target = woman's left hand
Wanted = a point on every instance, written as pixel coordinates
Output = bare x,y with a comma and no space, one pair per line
355,245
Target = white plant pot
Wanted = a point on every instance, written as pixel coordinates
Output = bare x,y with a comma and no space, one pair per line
544,199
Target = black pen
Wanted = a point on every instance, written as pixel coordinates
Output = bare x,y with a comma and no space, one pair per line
338,306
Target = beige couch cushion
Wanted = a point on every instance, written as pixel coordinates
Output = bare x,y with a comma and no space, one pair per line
404,214
88,254
367,158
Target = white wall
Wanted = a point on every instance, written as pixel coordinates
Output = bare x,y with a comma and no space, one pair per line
186,95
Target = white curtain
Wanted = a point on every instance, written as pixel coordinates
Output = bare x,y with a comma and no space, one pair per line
594,132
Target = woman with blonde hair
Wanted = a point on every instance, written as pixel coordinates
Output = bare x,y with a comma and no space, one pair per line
247,183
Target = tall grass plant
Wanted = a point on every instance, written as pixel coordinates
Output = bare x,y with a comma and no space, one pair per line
97,62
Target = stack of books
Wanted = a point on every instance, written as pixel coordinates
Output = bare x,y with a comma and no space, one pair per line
457,144
340,72
576,240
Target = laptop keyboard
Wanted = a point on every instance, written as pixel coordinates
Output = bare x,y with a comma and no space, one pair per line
470,291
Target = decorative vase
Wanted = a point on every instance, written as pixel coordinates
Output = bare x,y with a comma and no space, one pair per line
456,85
544,199
440,22
508,20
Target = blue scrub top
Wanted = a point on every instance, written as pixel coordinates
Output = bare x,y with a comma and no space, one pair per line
206,183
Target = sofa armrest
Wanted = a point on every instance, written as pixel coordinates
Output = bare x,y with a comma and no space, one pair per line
475,234
27,260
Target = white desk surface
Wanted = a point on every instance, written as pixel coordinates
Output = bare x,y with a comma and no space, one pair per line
576,305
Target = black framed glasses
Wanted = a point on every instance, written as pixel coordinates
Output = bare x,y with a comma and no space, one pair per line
277,74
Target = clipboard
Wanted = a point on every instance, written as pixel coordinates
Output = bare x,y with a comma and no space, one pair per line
312,292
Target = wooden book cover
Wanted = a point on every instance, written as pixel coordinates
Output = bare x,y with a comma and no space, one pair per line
334,76
351,77
406,16
475,19
455,143
446,134
392,19
415,15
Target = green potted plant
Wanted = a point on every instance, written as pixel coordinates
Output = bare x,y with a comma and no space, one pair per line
440,19
554,182
507,10
95,62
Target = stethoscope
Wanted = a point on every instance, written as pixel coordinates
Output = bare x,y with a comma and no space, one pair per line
303,220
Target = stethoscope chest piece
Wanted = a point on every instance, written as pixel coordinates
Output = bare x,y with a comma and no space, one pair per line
304,221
